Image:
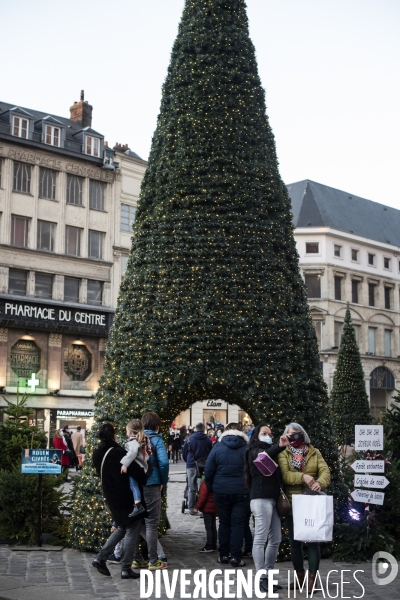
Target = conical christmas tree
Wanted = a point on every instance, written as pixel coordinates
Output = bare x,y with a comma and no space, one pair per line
348,401
212,304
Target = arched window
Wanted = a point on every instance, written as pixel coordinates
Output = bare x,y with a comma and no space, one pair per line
382,378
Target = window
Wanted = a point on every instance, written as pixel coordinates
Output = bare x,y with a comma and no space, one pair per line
45,236
386,262
371,340
388,342
43,285
53,135
313,285
47,184
94,292
318,331
20,127
338,288
92,146
96,239
19,231
128,214
371,258
124,263
312,247
357,333
17,282
354,255
388,298
371,294
337,250
74,190
338,333
1,168
71,289
73,241
96,195
354,291
22,178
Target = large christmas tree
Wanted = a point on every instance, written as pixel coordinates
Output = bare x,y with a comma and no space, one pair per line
212,304
349,399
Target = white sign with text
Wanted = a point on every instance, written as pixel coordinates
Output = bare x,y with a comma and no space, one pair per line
368,437
371,481
368,466
368,496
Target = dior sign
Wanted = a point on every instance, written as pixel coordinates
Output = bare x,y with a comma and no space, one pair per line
54,318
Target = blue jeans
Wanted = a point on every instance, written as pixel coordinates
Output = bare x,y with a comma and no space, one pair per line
135,489
267,527
192,484
233,510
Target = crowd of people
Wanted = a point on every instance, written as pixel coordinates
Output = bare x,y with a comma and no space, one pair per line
224,482
72,446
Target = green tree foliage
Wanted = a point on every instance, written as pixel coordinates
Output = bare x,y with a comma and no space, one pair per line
16,433
212,304
348,401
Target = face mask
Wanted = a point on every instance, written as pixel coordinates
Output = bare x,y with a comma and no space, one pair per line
218,433
296,439
266,438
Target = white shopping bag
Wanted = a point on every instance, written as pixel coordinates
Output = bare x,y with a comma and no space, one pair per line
312,517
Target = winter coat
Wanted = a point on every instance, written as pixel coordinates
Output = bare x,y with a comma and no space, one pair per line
72,455
59,444
197,446
116,488
205,501
263,486
160,472
224,472
77,441
177,442
134,452
293,478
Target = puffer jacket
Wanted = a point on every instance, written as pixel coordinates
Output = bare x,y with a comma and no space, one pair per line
261,485
293,478
197,446
159,475
224,472
205,501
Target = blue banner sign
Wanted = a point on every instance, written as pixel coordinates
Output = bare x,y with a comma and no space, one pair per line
36,461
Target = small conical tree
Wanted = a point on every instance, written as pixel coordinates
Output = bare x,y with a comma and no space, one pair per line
349,400
212,304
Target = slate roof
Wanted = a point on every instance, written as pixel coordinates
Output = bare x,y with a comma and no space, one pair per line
317,205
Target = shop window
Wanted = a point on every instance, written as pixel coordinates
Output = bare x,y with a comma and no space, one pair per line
313,285
71,289
77,362
22,178
74,190
96,243
128,214
354,291
46,233
96,194
73,241
95,292
47,183
25,359
43,285
17,282
19,231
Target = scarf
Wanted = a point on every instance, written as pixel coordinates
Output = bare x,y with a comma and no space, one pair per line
298,460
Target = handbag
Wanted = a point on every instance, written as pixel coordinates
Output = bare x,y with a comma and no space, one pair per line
101,479
283,506
82,450
265,464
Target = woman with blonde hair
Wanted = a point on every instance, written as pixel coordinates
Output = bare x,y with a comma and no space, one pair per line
302,467
138,449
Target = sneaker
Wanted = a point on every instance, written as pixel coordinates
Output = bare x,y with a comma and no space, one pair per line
157,565
264,586
114,559
163,558
205,549
223,560
142,564
237,563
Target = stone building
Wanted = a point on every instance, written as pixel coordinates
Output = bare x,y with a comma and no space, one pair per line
349,251
66,210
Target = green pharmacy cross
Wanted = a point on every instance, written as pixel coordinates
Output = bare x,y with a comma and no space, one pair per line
33,382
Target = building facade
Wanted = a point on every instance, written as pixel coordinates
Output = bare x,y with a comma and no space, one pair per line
349,251
65,207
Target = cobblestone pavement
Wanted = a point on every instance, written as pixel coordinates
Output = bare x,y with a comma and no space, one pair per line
71,571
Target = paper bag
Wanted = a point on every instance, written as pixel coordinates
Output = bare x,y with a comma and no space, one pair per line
312,518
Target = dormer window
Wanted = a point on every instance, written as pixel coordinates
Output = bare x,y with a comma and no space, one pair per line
20,127
53,135
92,146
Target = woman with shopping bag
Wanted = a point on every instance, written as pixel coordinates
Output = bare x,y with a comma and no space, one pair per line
303,468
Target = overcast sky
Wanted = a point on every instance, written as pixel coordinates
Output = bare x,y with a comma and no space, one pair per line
330,70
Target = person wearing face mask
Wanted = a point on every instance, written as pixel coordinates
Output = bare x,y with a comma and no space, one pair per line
264,493
302,466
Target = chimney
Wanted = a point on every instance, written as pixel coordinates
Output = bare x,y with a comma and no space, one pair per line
81,112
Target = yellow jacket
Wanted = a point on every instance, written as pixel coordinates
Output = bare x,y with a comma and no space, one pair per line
293,479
